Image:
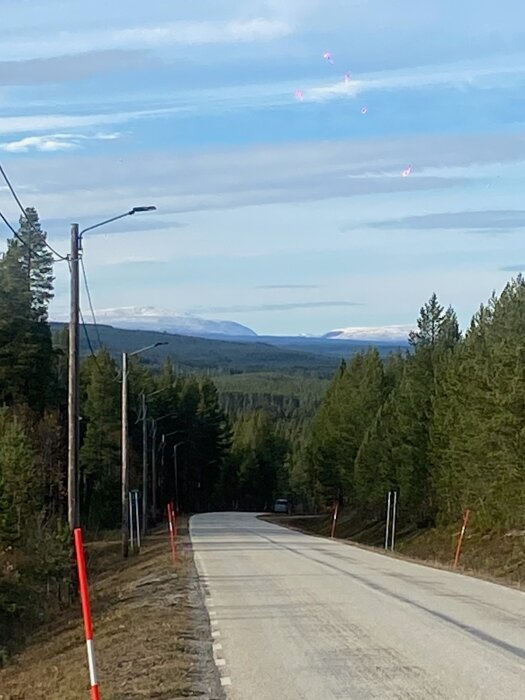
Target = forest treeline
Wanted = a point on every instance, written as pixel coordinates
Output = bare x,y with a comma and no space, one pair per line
183,412
443,424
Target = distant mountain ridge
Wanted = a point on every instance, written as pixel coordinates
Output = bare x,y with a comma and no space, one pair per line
148,318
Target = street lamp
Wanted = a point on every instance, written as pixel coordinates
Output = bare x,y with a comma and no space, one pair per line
135,210
125,458
73,505
144,398
163,442
154,422
175,467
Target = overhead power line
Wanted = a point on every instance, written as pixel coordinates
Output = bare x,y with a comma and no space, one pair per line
89,343
24,212
15,233
88,293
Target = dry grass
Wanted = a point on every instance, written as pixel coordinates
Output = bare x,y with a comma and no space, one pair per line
494,556
152,635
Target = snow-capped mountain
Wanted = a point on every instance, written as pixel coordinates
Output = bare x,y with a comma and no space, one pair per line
385,333
152,319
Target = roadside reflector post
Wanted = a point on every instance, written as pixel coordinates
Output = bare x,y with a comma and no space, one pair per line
131,526
387,529
466,516
86,613
171,531
394,514
135,494
334,519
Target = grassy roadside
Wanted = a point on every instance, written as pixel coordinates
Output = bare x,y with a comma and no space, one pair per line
152,635
497,557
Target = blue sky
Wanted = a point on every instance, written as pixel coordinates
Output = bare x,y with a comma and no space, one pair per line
288,216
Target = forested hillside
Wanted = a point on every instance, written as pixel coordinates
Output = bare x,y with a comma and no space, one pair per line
190,354
443,424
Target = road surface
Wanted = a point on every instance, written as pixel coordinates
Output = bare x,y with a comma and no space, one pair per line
295,616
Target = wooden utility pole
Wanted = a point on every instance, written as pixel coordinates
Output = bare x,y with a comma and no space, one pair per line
144,466
154,473
73,388
125,474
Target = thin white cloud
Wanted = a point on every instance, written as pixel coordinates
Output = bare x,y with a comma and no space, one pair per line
241,177
54,142
38,143
508,73
133,260
189,33
457,76
45,122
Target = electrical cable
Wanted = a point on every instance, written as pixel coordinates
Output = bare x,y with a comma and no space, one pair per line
16,234
88,293
88,340
22,209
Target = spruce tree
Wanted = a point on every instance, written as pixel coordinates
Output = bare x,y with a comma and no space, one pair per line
36,261
100,451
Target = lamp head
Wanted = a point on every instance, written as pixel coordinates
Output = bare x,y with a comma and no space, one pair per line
137,210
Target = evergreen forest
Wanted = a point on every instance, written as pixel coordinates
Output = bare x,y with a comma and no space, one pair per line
442,423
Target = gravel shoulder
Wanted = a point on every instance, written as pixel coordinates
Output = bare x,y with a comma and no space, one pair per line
152,633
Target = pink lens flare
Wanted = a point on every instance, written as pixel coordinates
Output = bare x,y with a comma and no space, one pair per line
347,78
328,57
407,172
364,110
299,95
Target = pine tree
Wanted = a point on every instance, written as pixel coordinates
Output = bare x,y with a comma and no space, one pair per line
350,406
26,283
260,453
36,261
100,451
19,483
477,434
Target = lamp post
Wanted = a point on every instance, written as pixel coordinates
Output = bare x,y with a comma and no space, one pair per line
154,422
125,458
73,505
175,469
144,399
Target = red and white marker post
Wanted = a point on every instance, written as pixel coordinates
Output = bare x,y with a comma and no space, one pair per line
86,612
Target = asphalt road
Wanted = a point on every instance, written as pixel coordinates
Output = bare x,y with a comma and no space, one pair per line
295,616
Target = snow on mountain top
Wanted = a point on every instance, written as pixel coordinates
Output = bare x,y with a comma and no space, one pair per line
138,311
150,318
386,333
